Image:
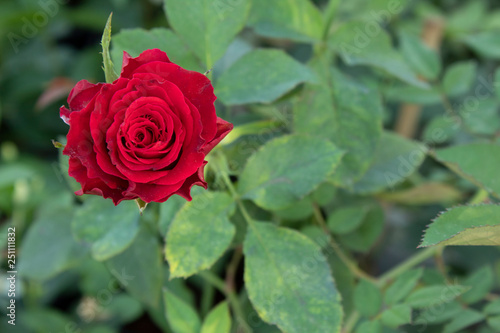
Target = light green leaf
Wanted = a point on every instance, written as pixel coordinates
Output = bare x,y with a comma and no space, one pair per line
248,80
285,291
466,225
434,295
492,308
218,320
139,268
109,230
396,158
297,20
356,47
367,298
181,317
422,59
462,320
369,327
286,169
486,43
441,129
459,77
477,162
348,113
346,219
494,322
135,41
168,209
403,285
199,234
48,247
469,17
109,71
396,316
207,26
481,282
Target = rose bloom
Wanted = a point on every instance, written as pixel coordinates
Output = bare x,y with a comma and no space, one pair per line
146,134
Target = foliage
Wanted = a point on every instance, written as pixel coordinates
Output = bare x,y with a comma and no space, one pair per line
357,124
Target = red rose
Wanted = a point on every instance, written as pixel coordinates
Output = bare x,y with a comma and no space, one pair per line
146,134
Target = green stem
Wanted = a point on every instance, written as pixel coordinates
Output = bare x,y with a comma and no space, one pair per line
218,283
411,262
330,12
351,322
207,298
351,265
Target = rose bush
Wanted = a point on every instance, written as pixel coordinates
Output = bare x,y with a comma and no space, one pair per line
146,134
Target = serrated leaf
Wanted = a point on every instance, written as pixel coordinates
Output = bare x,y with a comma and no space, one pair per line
298,20
248,80
218,320
459,77
434,295
286,169
135,41
396,158
348,112
199,234
476,162
296,297
367,298
466,225
139,268
181,317
396,316
109,230
355,47
403,285
207,26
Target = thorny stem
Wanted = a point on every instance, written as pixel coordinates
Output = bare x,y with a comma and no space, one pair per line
218,283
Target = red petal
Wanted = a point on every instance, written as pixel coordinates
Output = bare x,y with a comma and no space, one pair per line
223,129
130,64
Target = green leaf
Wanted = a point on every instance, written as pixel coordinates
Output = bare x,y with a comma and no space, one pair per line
492,308
135,41
496,83
434,295
348,113
109,70
296,295
181,317
298,20
466,225
199,234
481,282
462,320
346,219
486,43
369,327
477,162
363,238
49,247
433,317
208,27
409,94
109,230
218,320
367,298
396,316
168,209
422,59
356,47
286,169
403,285
248,79
139,268
424,194
441,129
494,322
459,78
396,158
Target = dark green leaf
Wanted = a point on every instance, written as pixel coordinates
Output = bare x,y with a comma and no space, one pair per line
108,229
434,295
248,79
181,317
459,78
403,285
363,238
369,327
367,298
396,316
462,320
346,219
481,283
286,169
486,43
421,58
